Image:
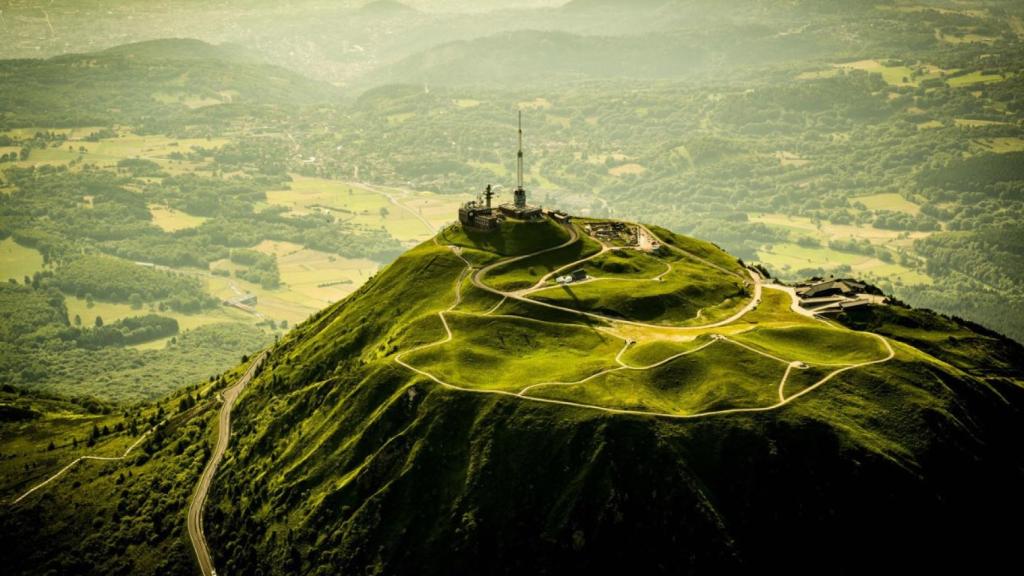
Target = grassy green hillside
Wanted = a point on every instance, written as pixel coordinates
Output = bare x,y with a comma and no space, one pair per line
511,353
716,378
528,271
415,428
347,460
689,293
122,516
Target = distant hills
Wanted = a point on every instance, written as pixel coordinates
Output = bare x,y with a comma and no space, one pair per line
537,56
531,56
145,80
386,8
183,49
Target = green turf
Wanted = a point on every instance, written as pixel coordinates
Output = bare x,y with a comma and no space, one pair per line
648,353
775,308
676,299
531,309
815,344
700,248
718,377
475,299
500,353
527,272
802,378
627,264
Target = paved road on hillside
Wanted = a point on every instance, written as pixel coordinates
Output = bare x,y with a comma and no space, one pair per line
195,510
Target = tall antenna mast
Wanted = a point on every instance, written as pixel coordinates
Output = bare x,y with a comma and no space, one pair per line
519,171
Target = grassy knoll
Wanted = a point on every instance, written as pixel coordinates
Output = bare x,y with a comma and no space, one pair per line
815,344
529,271
720,376
801,378
627,264
691,292
17,261
951,340
775,308
700,248
500,353
475,300
653,351
527,309
773,311
513,238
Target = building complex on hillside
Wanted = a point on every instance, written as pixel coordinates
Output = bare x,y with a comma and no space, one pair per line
479,214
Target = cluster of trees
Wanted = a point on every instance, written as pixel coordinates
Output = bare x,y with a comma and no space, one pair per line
36,313
139,167
260,268
127,331
891,220
107,278
53,360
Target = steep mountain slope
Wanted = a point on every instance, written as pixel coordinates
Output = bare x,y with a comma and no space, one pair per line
353,452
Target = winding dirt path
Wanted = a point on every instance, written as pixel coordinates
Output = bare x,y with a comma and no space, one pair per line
476,279
64,470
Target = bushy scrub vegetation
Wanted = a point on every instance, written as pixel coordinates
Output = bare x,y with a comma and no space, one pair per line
124,516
